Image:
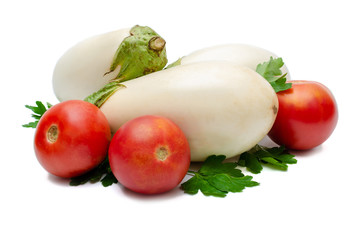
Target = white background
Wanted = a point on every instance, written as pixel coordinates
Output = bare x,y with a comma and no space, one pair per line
318,198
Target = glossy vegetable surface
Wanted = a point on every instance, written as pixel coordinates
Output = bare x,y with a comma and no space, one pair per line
307,116
149,155
71,138
221,107
243,54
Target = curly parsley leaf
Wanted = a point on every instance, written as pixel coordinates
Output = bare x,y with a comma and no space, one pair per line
102,173
277,157
271,72
38,112
216,178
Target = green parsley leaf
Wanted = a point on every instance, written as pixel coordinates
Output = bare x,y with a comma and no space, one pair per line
38,112
199,182
102,173
213,165
271,72
228,183
108,179
250,161
216,178
277,157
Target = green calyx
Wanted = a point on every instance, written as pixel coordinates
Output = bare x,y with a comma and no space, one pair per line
140,53
174,64
99,97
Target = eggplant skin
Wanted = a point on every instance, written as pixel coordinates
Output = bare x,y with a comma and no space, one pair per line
243,54
111,57
223,108
81,70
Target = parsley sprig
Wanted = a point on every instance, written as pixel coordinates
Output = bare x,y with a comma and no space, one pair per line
277,157
102,173
216,178
38,112
271,72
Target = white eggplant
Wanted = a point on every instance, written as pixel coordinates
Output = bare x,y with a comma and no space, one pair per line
118,55
223,108
243,54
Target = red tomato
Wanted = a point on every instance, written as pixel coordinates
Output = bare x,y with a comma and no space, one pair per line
149,154
306,117
71,138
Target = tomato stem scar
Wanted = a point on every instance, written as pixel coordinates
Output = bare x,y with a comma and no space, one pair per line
52,134
162,153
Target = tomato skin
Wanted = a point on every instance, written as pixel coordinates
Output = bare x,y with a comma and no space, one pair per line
71,138
307,116
149,155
